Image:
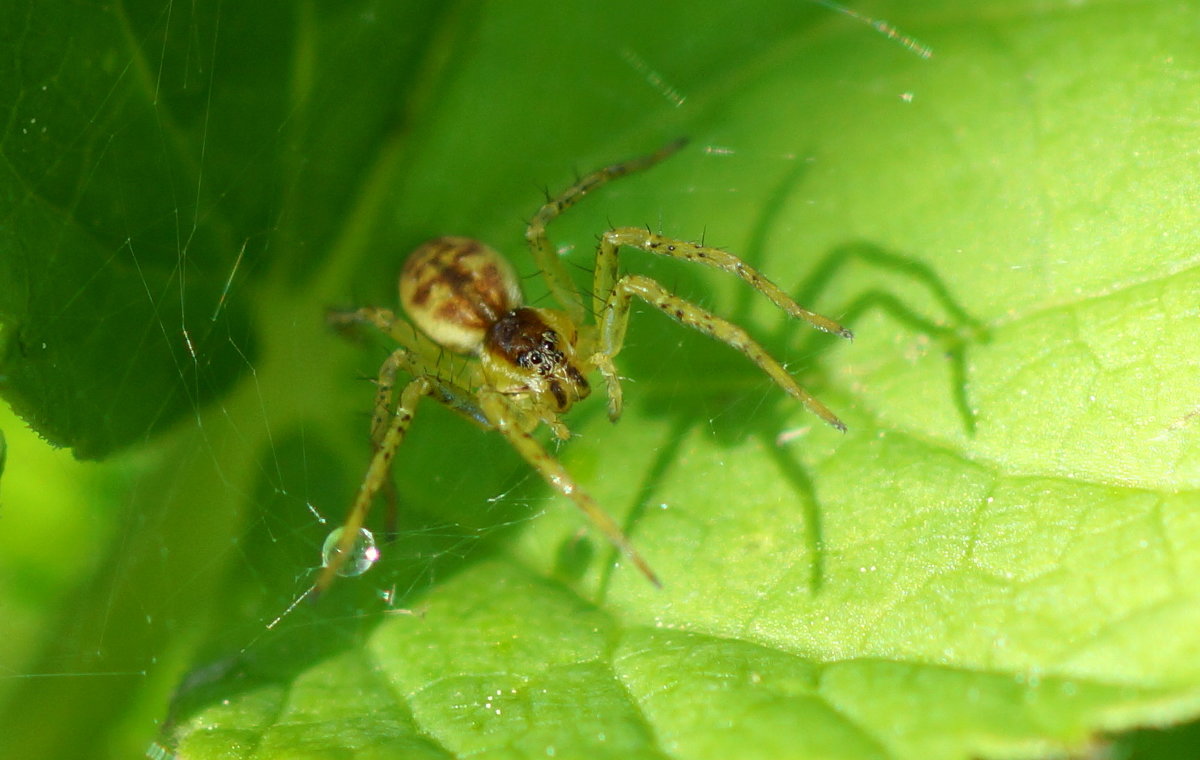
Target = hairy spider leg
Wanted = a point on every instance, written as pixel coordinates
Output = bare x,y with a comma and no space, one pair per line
402,332
421,360
636,237
385,320
385,386
499,410
389,426
615,320
544,252
378,471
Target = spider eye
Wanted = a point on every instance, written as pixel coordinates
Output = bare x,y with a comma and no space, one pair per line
522,339
536,359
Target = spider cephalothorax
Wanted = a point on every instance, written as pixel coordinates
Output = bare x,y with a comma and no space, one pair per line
525,366
524,353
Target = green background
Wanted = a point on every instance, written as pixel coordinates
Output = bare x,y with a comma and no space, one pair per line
997,559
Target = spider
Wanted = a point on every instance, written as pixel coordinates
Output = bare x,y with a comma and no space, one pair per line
526,366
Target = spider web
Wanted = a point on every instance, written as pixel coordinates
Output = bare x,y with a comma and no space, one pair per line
232,179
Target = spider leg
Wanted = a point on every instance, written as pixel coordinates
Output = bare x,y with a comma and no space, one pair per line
544,253
378,471
403,333
385,385
615,320
388,428
385,320
606,271
505,419
413,357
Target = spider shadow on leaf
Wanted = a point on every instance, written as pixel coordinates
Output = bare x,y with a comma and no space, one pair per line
735,413
953,333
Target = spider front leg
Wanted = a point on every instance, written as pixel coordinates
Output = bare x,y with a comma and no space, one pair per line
612,309
544,253
378,471
615,320
506,420
406,335
604,279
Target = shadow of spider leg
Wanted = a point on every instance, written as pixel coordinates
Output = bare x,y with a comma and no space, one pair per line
956,330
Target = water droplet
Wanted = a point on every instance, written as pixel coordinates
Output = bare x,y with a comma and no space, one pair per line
363,554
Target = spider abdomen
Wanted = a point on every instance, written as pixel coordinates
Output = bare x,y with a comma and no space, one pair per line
455,289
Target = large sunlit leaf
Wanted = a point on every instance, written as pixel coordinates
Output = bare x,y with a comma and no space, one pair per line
994,561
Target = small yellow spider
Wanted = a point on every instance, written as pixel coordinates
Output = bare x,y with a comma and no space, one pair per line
527,365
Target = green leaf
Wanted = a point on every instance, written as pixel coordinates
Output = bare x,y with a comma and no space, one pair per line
110,267
992,562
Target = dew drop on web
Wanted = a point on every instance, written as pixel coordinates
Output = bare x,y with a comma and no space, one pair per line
363,554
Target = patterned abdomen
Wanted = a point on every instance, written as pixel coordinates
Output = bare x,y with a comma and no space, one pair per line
455,288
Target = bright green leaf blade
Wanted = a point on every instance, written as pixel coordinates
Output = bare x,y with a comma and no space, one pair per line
913,590
993,562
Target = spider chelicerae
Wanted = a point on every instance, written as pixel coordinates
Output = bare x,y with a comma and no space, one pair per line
527,366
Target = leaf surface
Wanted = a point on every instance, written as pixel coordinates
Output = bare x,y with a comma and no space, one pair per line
993,562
